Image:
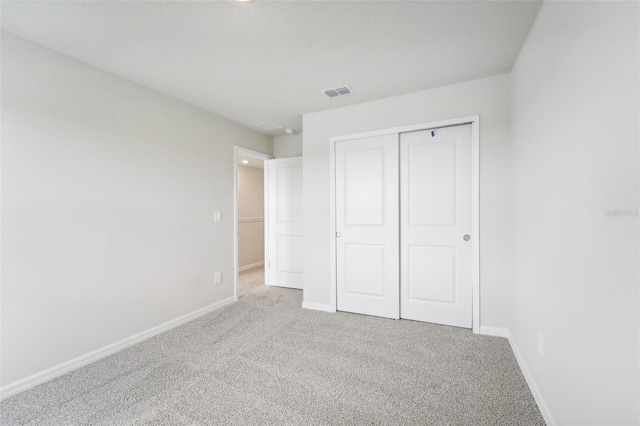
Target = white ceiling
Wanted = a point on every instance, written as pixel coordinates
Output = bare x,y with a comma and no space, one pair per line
268,61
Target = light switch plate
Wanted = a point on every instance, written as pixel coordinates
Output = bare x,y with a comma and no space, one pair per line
217,216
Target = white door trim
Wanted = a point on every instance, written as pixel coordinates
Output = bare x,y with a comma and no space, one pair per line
474,120
238,151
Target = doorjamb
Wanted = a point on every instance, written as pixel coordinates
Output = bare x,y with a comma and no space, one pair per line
237,151
474,120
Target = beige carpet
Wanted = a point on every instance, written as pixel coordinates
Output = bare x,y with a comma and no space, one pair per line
266,361
249,280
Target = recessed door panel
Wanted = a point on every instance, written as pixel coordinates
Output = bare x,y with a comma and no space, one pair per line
432,183
364,189
289,191
364,269
432,274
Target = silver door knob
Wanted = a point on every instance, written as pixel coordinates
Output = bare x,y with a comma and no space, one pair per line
338,235
466,237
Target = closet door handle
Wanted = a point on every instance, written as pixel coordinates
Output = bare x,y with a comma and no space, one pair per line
467,237
338,235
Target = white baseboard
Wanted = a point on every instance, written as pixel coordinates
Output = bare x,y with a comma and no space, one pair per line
53,372
494,331
253,265
318,307
533,386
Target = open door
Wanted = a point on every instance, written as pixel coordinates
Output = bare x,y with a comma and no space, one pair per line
284,265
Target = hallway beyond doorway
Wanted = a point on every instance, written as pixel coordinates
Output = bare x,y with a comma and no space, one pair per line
249,279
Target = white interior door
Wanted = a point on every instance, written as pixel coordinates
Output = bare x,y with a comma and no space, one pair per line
285,222
435,206
367,262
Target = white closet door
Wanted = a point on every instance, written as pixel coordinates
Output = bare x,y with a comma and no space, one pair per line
436,283
367,262
285,222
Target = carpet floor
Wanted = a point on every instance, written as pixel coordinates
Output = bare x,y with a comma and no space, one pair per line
266,361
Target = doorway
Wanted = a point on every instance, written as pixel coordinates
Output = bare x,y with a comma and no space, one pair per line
250,220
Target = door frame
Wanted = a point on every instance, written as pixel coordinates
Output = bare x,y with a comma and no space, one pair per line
237,151
474,120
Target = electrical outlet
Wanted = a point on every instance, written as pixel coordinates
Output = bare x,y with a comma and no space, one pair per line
217,277
540,344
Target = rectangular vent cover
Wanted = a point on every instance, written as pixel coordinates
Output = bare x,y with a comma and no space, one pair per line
337,91
270,125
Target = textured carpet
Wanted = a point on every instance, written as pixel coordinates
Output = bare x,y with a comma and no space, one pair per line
264,360
249,280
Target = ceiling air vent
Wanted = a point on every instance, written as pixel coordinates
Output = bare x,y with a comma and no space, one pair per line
269,126
337,91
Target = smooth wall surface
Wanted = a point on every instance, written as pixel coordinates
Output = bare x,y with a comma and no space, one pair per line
108,193
286,146
487,97
575,134
250,216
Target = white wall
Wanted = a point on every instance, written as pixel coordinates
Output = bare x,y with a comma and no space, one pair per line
488,97
108,193
575,134
250,216
287,146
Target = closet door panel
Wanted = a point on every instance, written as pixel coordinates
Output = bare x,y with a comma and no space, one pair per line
435,211
367,237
